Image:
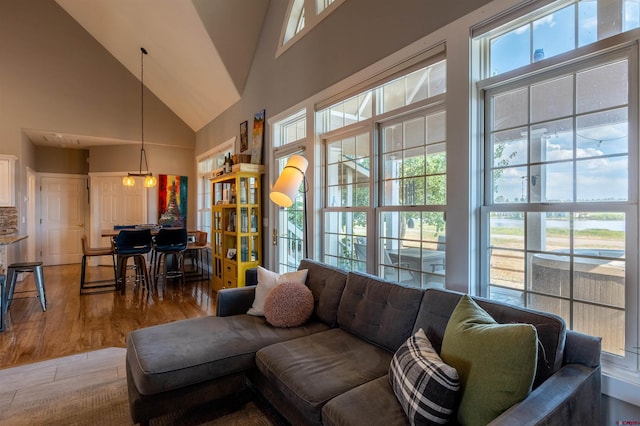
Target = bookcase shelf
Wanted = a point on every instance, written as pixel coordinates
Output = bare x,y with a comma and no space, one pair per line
236,232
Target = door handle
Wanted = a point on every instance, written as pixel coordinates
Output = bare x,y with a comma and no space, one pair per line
274,237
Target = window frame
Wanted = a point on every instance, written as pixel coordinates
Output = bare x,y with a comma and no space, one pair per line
281,150
372,126
203,209
622,45
311,18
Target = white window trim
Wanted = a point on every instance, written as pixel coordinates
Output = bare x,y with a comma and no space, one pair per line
463,98
618,382
228,145
311,19
224,146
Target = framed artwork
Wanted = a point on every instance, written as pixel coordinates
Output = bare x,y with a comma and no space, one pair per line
258,138
172,200
244,136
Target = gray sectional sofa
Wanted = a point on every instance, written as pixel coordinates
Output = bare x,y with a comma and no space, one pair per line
334,369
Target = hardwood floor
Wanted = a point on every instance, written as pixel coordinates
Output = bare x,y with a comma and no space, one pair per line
75,323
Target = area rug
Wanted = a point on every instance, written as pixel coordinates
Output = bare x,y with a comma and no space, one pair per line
91,389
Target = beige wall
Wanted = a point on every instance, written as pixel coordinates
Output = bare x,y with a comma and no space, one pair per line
56,77
356,35
61,160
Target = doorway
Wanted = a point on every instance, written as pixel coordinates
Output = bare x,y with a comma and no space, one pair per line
62,217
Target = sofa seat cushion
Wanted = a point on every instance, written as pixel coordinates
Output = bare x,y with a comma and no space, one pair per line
372,403
182,353
311,370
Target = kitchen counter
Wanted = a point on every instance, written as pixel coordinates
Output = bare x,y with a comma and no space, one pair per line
6,240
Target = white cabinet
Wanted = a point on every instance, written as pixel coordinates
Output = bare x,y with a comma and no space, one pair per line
7,180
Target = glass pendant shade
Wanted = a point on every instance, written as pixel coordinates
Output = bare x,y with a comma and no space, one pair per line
150,181
128,181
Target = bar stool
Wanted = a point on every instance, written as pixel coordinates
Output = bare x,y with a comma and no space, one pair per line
132,244
12,276
98,285
170,241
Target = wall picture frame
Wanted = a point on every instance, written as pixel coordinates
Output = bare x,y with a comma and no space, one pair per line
244,136
258,137
172,200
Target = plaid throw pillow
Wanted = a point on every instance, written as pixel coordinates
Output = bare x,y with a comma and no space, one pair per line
426,387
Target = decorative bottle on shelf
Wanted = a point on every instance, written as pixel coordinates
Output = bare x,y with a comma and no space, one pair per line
232,222
228,164
243,191
254,221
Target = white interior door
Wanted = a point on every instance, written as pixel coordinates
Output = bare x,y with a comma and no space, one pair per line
115,204
31,215
62,213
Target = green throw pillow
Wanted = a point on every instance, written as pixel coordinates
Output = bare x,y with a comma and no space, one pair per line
496,362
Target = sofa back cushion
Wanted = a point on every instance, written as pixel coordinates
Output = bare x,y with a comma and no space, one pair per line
378,311
326,283
437,306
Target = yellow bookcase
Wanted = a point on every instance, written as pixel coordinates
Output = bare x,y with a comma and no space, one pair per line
235,226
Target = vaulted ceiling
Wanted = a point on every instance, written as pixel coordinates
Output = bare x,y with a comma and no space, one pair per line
199,51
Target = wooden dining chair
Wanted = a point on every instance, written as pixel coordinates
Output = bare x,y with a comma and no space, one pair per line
98,285
195,251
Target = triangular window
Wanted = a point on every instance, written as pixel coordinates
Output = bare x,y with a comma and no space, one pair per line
295,20
302,16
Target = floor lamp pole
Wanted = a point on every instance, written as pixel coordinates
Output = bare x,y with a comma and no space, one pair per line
306,219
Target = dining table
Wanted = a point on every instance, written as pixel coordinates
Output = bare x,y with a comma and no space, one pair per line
154,231
202,269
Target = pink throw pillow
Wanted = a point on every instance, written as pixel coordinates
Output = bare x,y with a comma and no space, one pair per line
288,305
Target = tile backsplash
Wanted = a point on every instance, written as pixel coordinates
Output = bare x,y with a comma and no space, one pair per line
8,220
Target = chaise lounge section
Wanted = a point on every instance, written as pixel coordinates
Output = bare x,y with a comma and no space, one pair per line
334,369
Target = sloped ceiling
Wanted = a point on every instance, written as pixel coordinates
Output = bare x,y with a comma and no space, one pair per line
200,51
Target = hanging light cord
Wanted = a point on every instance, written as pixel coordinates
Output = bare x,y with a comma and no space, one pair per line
143,153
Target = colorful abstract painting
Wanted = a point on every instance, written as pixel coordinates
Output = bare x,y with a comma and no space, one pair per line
172,200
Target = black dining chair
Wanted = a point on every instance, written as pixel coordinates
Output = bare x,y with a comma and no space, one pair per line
132,244
172,243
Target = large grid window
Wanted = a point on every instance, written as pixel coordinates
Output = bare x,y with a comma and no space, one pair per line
560,191
289,137
348,184
206,164
413,195
385,179
557,28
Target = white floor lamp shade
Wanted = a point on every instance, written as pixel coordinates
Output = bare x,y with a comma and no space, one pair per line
286,188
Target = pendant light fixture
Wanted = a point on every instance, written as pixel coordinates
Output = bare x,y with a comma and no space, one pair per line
149,179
